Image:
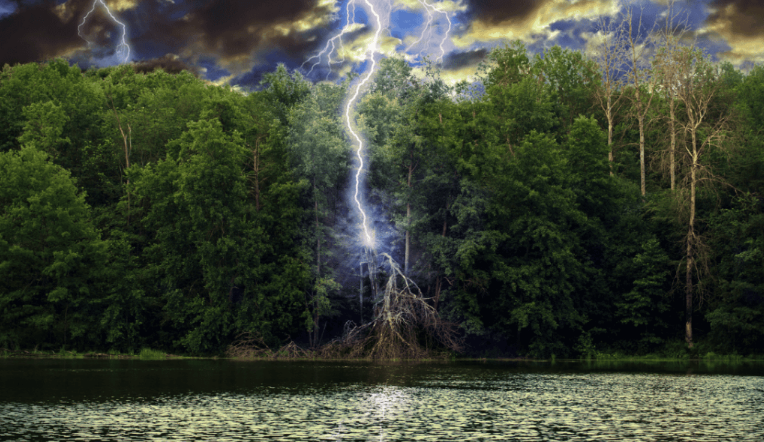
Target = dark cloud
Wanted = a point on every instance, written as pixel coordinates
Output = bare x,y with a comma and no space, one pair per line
499,11
168,63
458,60
745,17
35,33
241,30
233,28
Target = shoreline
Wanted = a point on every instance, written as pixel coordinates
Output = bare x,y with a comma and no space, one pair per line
159,356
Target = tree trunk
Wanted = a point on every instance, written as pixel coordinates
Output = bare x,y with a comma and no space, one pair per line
408,223
438,281
256,169
438,285
690,243
672,149
408,239
127,151
318,268
609,115
641,119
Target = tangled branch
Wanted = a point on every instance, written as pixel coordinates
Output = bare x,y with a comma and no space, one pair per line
405,326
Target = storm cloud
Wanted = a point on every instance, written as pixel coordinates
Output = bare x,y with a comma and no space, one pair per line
458,60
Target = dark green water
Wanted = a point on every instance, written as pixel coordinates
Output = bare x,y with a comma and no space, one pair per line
236,400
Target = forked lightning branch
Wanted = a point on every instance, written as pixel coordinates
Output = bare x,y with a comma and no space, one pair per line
375,11
122,48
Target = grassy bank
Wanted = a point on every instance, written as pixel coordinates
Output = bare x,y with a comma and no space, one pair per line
144,354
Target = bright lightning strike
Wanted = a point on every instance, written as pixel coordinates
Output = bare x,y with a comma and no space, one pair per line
448,31
368,238
122,47
331,48
426,30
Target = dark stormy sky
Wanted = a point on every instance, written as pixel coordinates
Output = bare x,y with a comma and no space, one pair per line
235,41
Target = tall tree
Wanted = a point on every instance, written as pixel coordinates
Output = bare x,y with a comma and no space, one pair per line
610,52
52,259
391,114
666,68
571,79
321,156
706,117
638,38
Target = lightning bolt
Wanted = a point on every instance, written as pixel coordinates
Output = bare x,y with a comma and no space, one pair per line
350,20
426,29
368,238
123,47
448,31
331,47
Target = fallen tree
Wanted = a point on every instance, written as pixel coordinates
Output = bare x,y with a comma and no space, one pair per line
405,326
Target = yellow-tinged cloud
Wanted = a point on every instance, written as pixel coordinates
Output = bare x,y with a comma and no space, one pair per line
66,11
444,6
738,23
309,22
358,49
237,64
450,77
535,22
122,5
743,48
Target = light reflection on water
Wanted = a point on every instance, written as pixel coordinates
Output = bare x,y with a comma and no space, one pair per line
441,403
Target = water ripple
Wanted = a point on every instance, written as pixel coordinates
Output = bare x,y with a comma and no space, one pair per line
457,406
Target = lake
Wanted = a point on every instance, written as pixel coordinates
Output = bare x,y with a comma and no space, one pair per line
76,399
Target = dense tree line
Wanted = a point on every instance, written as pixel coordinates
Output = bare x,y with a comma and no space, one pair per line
552,210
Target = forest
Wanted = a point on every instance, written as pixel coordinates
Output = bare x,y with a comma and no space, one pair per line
564,204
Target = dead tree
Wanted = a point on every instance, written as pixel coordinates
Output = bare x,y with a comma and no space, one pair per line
640,77
666,70
610,52
698,90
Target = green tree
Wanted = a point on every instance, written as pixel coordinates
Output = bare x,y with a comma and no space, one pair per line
736,313
52,259
208,247
644,305
321,156
572,79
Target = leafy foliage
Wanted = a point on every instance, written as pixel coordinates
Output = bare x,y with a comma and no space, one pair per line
157,211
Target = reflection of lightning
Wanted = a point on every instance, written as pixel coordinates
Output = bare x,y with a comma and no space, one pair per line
123,47
368,238
350,20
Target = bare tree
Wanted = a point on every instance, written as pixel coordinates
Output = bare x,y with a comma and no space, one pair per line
666,71
610,52
703,126
639,42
